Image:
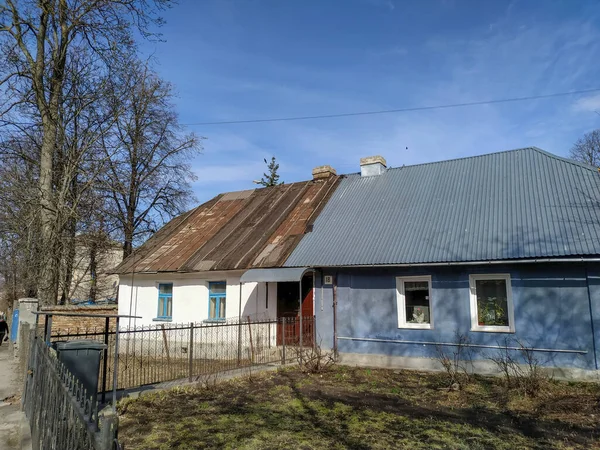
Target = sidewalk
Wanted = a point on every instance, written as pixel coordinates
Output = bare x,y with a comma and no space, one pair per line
14,430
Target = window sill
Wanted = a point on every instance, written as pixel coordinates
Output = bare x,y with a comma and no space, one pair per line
162,319
492,329
416,326
213,321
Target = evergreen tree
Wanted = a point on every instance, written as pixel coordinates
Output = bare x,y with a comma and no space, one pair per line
270,178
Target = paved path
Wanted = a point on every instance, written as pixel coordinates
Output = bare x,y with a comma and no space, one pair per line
13,427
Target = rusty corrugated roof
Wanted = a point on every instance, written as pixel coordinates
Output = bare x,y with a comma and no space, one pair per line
236,230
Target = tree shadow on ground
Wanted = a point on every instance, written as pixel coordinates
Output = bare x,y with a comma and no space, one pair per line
292,410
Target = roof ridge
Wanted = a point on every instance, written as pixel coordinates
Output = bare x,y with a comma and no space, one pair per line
567,160
260,188
531,148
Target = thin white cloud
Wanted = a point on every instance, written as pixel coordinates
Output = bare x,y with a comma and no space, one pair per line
389,4
396,51
587,104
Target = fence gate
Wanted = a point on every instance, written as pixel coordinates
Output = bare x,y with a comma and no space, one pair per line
61,413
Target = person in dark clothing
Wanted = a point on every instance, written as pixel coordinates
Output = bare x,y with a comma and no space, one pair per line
3,330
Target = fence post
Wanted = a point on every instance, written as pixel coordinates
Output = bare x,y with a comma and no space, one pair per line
109,423
251,344
115,366
191,351
48,329
283,340
105,362
166,342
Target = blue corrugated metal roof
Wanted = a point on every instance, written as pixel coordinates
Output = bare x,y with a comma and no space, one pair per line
517,204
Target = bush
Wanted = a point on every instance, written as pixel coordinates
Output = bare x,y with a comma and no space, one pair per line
455,359
313,359
520,367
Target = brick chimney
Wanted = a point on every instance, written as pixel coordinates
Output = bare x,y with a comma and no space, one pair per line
322,172
372,165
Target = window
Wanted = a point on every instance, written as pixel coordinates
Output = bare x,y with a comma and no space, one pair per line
216,300
491,303
414,302
165,301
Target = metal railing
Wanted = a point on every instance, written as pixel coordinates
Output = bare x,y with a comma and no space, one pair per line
165,352
61,413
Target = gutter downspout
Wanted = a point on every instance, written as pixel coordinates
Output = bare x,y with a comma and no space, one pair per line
587,282
301,329
240,327
335,334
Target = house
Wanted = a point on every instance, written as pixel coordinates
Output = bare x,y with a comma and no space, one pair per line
191,269
394,263
504,245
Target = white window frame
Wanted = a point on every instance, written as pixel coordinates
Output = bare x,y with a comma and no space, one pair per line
509,300
401,303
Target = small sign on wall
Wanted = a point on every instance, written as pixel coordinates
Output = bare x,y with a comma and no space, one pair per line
328,279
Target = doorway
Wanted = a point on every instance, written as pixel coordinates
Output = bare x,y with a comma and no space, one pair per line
288,312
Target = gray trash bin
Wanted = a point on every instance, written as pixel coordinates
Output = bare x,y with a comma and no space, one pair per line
82,359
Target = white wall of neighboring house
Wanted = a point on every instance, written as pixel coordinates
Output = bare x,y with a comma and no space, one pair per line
106,283
138,296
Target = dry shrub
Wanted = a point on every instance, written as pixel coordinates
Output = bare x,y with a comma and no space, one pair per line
520,368
455,360
207,380
313,359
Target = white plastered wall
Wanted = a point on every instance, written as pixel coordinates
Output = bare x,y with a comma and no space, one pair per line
138,296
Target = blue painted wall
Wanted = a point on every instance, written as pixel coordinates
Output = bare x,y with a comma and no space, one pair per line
556,307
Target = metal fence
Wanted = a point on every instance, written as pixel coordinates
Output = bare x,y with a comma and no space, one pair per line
61,413
166,352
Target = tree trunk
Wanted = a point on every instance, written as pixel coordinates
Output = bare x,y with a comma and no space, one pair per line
68,260
93,270
48,284
129,227
128,242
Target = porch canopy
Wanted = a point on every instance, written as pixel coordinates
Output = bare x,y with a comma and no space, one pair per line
274,275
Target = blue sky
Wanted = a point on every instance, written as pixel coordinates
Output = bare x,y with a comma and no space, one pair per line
254,59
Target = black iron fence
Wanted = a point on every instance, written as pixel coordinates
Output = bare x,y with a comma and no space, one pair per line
61,413
166,352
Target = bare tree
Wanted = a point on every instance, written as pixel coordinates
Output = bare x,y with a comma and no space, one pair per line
38,38
587,149
148,176
19,223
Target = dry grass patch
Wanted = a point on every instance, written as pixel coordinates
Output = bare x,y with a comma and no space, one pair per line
362,409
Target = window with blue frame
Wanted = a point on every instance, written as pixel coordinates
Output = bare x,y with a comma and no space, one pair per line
216,300
165,301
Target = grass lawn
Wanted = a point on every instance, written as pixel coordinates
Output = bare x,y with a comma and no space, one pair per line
361,409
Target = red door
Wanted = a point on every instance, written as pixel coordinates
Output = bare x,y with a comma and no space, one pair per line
288,313
308,322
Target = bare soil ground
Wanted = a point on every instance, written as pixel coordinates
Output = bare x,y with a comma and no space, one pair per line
355,408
